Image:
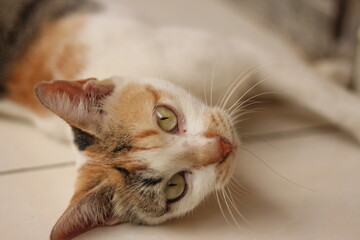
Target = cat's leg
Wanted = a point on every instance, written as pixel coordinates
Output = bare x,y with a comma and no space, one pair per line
298,82
282,70
49,124
53,126
10,109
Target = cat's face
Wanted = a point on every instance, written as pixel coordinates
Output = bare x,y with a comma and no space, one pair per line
153,151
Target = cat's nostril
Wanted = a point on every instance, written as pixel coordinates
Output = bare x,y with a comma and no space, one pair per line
225,147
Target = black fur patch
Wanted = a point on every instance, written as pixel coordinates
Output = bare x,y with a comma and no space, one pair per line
20,22
82,139
32,12
25,13
122,146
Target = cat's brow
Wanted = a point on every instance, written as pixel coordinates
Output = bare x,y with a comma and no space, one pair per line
150,181
122,170
147,133
154,93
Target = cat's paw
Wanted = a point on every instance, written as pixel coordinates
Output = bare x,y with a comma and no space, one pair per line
55,128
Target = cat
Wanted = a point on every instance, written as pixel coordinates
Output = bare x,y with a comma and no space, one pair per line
148,150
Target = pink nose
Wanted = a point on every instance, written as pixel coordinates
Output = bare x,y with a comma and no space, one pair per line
225,147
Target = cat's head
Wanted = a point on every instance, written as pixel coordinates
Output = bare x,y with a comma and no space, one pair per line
153,151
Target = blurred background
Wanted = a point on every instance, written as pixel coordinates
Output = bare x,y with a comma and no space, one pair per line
325,29
298,178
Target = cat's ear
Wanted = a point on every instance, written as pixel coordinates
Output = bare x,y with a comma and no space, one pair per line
79,103
92,209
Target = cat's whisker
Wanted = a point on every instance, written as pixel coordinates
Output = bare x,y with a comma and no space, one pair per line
239,195
212,83
240,121
249,90
226,99
221,208
230,110
235,207
238,118
239,82
235,81
237,182
235,84
244,107
205,92
274,171
224,195
245,112
238,186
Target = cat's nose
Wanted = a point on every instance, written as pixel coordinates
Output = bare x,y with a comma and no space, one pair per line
225,148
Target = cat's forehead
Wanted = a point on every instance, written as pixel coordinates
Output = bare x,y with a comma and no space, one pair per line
139,96
159,88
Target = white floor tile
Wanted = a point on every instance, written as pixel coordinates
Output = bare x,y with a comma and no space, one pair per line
31,202
23,146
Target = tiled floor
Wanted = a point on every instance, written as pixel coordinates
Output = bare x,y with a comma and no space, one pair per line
301,177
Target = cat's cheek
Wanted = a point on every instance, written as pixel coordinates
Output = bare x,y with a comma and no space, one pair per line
200,183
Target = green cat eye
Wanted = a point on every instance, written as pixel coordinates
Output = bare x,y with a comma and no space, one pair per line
166,119
176,187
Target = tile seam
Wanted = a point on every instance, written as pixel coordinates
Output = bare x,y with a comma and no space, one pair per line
36,168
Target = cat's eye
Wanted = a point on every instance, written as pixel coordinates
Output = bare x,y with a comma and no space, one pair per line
176,187
166,119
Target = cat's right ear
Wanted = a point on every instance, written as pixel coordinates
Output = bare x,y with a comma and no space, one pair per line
79,103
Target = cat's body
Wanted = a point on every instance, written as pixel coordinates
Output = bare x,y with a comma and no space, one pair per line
105,43
113,121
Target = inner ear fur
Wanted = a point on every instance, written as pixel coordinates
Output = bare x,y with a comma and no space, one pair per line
79,103
85,212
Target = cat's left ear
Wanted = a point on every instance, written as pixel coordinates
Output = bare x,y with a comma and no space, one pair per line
79,103
87,211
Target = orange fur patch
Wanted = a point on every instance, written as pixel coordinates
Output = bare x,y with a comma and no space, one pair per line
154,93
54,51
147,133
135,104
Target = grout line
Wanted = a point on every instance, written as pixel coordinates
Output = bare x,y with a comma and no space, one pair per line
289,133
36,168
